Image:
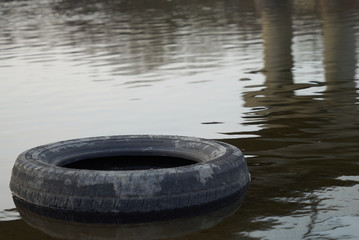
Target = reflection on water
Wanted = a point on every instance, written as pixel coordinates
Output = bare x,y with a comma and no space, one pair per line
277,78
330,213
307,141
126,39
142,231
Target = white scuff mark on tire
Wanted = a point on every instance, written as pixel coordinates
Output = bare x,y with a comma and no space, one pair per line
67,182
205,172
136,185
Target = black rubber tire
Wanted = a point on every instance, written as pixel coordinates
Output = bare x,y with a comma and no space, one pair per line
41,184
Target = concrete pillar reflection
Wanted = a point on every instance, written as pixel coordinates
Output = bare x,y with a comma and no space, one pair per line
277,38
278,59
339,38
339,44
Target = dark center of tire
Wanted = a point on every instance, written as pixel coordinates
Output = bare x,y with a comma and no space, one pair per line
123,163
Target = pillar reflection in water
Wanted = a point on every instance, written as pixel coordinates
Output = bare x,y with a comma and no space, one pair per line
278,60
277,38
339,44
339,38
307,142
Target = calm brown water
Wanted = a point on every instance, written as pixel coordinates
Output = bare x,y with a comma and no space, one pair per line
276,78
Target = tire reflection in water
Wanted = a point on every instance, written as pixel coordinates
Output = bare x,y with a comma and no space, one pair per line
142,231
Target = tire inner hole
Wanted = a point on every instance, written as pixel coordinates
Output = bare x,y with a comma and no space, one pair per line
123,163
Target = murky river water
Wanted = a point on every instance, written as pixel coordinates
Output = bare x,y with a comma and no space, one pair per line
276,78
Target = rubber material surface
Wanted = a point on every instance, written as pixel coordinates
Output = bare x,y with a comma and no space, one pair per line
219,172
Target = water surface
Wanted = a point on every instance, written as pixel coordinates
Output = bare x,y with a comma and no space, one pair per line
276,78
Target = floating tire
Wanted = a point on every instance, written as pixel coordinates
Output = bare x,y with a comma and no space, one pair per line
124,179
